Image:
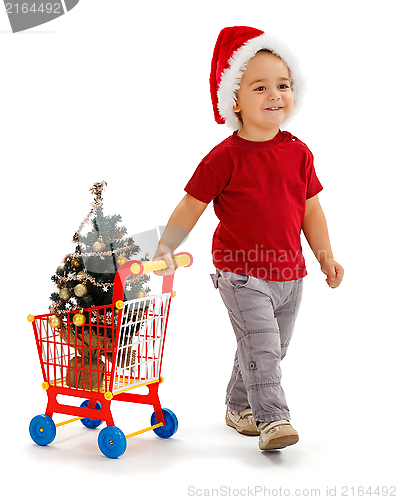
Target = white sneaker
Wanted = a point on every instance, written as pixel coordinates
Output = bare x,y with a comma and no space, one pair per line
276,435
242,421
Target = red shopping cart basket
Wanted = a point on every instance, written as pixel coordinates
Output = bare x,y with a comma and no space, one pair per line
119,348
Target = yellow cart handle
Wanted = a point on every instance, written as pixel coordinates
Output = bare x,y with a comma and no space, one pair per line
145,267
139,267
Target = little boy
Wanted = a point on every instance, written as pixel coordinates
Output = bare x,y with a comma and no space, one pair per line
264,189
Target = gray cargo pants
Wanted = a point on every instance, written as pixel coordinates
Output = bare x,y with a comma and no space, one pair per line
262,314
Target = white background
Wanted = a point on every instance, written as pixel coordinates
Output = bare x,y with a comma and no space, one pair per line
118,90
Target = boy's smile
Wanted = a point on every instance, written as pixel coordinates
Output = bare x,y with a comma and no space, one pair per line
265,97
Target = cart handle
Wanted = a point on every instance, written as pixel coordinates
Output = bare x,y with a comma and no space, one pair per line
145,267
137,267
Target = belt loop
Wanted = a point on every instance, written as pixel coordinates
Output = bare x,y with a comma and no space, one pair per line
215,277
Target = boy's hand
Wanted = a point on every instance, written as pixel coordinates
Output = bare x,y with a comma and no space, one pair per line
334,272
171,263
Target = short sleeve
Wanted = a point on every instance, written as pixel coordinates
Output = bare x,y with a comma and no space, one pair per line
210,177
313,184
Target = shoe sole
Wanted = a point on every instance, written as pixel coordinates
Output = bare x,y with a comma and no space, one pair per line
246,432
278,442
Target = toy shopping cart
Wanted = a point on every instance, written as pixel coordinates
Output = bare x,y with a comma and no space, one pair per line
111,351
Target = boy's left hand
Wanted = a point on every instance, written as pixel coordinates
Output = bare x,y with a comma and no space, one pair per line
334,272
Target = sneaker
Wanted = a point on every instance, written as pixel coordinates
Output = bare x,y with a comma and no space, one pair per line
276,435
242,421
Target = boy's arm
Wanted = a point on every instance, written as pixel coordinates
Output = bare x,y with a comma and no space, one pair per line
182,220
316,232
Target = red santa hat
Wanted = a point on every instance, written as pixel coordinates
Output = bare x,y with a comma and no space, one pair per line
234,48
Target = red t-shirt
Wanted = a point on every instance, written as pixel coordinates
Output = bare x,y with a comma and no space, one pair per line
259,191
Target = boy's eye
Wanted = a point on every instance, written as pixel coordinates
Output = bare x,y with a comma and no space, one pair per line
282,86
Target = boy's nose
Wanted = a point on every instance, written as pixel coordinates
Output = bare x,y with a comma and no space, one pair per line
274,95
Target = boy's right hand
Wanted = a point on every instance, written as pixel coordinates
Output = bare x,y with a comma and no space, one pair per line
171,264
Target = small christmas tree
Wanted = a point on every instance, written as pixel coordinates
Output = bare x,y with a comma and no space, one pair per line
85,278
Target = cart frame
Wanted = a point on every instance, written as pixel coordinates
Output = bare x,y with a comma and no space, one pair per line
97,405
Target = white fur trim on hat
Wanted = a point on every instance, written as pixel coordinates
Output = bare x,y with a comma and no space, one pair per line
232,76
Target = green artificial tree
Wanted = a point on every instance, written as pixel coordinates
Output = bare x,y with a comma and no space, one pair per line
85,278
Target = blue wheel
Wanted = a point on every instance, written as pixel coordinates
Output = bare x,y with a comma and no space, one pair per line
91,423
168,430
42,430
112,442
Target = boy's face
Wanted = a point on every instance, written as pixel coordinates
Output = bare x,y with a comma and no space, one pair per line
265,97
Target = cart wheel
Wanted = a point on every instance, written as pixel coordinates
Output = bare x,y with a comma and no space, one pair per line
42,430
91,423
165,431
112,442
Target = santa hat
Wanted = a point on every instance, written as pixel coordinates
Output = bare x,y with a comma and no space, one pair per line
235,47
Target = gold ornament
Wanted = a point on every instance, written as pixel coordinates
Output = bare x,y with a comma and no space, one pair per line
61,267
76,263
79,319
64,294
99,246
121,260
80,290
54,321
141,294
83,273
